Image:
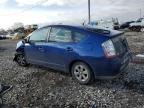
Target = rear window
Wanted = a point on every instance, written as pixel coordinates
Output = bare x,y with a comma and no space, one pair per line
120,44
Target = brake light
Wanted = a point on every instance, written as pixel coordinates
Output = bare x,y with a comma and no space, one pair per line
109,49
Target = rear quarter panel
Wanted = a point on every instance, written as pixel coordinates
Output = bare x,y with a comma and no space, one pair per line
88,50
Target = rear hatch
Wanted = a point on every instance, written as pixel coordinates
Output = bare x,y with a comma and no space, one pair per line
117,38
122,50
120,44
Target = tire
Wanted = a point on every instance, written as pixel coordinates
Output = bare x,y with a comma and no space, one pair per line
20,59
142,29
139,29
132,28
136,28
82,73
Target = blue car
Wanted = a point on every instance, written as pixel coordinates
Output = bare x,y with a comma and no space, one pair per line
87,53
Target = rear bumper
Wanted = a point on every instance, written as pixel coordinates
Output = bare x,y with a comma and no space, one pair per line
114,74
109,69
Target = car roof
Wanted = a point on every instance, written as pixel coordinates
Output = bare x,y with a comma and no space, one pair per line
109,33
67,26
83,27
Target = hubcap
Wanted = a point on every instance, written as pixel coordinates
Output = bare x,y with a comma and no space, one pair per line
81,73
21,60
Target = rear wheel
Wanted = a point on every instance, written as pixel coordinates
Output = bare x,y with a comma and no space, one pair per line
82,73
20,59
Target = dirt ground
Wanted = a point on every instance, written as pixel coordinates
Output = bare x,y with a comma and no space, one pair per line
37,87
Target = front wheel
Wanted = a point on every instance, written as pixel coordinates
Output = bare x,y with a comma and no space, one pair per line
82,73
20,59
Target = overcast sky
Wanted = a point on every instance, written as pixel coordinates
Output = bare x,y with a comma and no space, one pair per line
48,11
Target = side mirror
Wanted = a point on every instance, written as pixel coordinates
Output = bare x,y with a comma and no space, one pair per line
26,40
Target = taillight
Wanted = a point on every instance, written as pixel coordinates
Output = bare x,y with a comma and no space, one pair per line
109,49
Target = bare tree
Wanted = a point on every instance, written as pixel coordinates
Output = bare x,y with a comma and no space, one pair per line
17,25
3,32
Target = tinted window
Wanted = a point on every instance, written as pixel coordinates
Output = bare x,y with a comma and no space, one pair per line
60,35
39,35
120,44
96,30
78,36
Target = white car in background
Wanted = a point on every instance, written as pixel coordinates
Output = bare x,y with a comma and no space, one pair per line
10,35
109,24
138,25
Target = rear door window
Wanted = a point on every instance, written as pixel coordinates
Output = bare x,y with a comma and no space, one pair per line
59,34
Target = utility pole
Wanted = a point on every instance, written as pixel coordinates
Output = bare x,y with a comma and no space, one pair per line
140,13
89,17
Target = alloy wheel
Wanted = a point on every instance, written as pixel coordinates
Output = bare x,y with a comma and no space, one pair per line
81,73
21,60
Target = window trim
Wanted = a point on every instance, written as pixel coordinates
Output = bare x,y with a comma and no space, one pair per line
48,34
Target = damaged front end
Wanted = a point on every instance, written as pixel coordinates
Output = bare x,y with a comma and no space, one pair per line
19,49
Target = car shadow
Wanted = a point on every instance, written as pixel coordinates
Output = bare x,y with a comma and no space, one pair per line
126,81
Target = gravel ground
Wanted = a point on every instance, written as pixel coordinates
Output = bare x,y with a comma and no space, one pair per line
136,41
37,87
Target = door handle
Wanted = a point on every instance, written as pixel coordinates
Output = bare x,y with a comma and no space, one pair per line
41,49
69,49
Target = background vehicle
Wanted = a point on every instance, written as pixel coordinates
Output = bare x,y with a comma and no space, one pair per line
110,24
29,29
138,25
10,35
126,24
87,53
2,37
